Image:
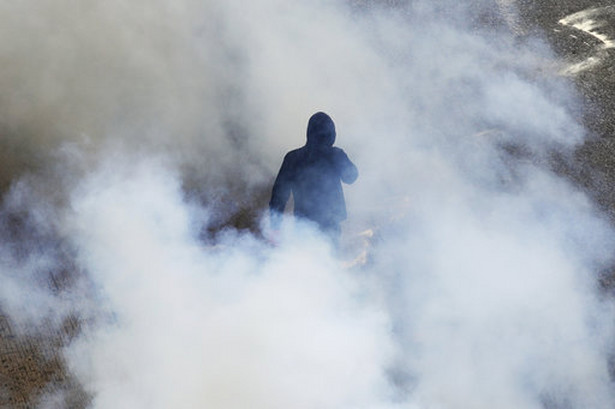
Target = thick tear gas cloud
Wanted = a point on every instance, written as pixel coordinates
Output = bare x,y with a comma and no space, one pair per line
132,127
285,325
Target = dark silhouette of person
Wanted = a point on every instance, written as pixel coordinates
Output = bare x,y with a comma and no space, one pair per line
313,174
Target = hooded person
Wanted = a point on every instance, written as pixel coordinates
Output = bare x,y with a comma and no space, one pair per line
313,174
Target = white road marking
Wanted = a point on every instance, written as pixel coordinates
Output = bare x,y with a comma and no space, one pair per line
587,22
582,66
592,22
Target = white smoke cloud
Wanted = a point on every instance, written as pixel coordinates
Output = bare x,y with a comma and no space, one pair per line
480,288
233,326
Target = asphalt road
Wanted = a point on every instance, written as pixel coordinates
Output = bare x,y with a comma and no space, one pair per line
582,33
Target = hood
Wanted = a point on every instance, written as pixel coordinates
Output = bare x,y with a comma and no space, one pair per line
320,130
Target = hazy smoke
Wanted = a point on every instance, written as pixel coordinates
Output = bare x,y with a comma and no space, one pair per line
132,128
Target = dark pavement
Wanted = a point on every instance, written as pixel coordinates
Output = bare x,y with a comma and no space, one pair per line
582,34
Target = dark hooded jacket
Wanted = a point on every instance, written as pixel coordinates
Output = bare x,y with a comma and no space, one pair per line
313,174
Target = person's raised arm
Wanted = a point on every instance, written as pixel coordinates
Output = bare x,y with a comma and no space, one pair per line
348,171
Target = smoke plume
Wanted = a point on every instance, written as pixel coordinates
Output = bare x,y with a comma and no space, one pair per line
141,140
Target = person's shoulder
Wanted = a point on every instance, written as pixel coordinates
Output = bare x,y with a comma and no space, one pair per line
338,153
295,153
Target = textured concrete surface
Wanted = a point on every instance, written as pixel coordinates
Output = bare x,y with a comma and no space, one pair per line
31,367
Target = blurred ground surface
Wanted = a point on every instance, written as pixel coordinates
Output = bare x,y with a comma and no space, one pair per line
580,32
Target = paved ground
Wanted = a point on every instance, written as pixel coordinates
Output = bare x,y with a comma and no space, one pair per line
31,366
582,32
